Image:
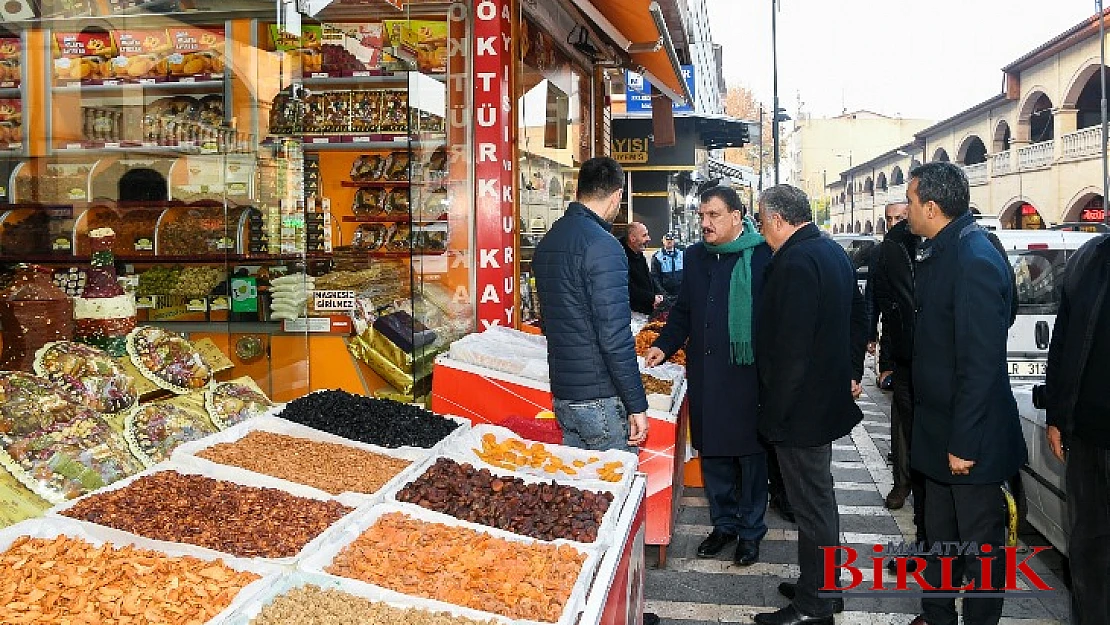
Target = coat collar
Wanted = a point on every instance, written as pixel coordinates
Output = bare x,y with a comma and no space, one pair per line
578,208
947,236
805,233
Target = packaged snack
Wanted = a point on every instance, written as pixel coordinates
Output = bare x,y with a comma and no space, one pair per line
89,375
197,52
154,430
142,54
168,360
83,56
230,403
11,56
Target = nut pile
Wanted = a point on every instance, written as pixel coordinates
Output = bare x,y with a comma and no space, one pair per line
67,580
513,454
382,422
313,605
240,520
328,466
543,511
644,340
463,567
653,384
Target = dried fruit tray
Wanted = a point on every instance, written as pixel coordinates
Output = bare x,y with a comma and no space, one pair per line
186,455
250,610
353,527
605,528
468,445
49,528
216,472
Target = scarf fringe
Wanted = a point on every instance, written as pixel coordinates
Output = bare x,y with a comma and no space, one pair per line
742,353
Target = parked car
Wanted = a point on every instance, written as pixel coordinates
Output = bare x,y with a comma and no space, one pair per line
859,248
1038,258
1082,226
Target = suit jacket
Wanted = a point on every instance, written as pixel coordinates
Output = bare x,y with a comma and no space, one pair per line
724,398
641,288
812,327
964,296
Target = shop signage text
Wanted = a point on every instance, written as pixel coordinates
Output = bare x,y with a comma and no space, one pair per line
631,150
333,300
493,166
637,91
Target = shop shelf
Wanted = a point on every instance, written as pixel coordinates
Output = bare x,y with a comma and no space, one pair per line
213,82
184,147
382,219
378,184
10,90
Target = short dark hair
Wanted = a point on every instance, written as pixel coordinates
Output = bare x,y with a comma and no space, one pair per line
599,177
945,184
728,196
788,201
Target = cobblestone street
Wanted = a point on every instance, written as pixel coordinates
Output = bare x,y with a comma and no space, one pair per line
695,591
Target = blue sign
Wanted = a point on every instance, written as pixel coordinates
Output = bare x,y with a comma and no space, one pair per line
638,92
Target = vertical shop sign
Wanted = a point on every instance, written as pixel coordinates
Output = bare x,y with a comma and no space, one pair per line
493,162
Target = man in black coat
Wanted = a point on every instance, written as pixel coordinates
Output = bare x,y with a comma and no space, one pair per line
1078,411
810,344
715,310
642,295
967,438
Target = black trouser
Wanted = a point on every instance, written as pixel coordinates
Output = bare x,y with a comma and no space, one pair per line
901,416
774,474
1088,490
807,476
736,488
966,513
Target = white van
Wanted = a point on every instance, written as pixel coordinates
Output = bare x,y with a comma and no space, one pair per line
1038,258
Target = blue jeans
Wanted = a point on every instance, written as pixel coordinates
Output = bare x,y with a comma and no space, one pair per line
599,424
736,488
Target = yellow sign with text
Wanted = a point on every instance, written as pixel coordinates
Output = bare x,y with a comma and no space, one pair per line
630,150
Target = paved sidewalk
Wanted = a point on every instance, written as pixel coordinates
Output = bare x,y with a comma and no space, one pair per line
693,591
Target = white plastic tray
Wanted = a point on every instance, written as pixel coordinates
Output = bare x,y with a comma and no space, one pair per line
98,535
244,614
463,448
186,455
320,559
608,522
218,472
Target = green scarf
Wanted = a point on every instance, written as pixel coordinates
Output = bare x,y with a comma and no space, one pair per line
740,293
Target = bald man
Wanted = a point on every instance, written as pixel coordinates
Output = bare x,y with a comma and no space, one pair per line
641,288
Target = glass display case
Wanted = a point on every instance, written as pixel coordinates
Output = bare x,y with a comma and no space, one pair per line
282,188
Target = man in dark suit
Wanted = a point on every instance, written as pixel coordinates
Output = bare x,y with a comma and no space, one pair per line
812,331
642,295
715,310
967,437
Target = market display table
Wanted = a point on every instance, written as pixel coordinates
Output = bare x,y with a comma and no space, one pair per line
485,395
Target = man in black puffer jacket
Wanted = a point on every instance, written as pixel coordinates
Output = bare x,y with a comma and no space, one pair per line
582,280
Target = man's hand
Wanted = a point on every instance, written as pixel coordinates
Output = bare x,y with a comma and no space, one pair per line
1055,442
959,466
857,390
658,300
637,429
653,356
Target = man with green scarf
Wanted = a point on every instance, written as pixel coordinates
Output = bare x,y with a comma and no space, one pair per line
714,312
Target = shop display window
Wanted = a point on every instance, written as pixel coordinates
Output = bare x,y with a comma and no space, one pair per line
291,194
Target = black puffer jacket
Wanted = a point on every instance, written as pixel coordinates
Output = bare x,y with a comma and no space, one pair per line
582,281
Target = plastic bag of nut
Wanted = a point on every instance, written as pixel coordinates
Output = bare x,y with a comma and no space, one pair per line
352,595
493,447
662,383
467,490
56,528
470,534
189,455
289,500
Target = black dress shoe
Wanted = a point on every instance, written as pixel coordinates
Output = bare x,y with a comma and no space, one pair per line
713,545
651,618
892,566
791,616
747,553
789,589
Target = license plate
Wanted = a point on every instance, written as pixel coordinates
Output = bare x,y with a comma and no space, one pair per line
1027,368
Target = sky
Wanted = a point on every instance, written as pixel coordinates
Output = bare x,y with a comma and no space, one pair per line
928,59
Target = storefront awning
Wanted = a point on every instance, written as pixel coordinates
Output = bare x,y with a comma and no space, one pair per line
720,131
637,26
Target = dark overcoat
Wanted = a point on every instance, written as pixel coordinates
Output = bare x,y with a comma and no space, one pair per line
723,396
963,405
812,331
